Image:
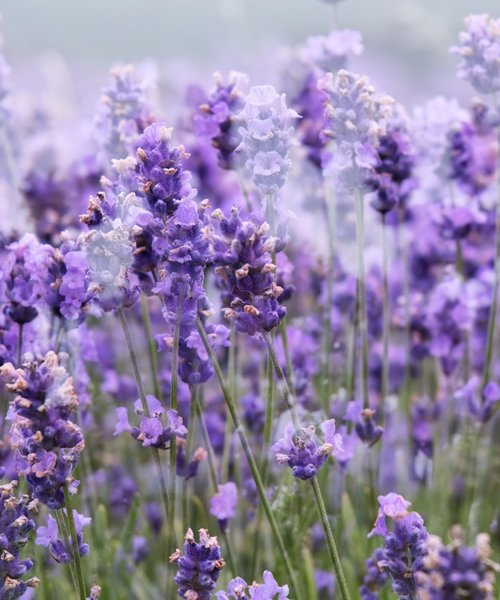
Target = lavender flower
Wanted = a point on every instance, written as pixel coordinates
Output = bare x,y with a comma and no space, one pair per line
473,152
152,430
449,321
215,117
301,452
242,252
46,441
391,179
238,589
223,504
21,279
479,51
160,174
266,138
15,526
109,249
330,53
375,578
199,567
356,119
405,546
458,570
124,112
61,549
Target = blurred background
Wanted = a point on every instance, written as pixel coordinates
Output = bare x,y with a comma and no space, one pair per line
410,38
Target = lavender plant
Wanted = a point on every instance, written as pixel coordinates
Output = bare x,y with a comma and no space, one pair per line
275,321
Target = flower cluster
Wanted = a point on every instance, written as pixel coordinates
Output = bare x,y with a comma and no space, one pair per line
15,525
266,138
300,451
124,112
199,567
152,431
61,549
479,50
47,442
238,589
405,546
215,117
242,252
356,119
223,504
457,570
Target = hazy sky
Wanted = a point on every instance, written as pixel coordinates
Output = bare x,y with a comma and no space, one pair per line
408,38
130,29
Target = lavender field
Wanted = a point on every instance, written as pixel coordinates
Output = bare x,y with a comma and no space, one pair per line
249,330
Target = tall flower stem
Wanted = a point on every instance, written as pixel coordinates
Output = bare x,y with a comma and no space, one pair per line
330,540
212,469
327,321
494,299
142,396
153,356
20,344
251,459
363,322
74,544
386,322
174,384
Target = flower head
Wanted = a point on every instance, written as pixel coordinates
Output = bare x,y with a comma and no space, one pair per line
479,52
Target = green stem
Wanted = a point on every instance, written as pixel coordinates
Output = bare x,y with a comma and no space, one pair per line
494,301
363,323
332,549
142,396
250,458
330,540
386,322
174,384
153,356
74,543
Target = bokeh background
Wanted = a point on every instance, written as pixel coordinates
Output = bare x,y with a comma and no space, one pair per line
410,38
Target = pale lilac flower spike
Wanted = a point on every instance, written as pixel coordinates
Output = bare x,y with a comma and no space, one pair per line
223,504
391,505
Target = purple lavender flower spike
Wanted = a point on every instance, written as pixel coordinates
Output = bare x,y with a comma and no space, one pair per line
242,252
238,589
124,112
367,429
405,546
4,87
61,549
374,578
160,174
301,452
266,138
46,441
15,527
356,119
199,566
215,118
479,51
159,429
223,504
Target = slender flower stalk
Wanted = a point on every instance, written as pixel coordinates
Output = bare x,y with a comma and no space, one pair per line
153,356
74,544
494,300
386,322
173,406
361,291
330,540
145,408
250,458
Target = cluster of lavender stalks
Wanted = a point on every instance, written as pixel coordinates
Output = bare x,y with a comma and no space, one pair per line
181,353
